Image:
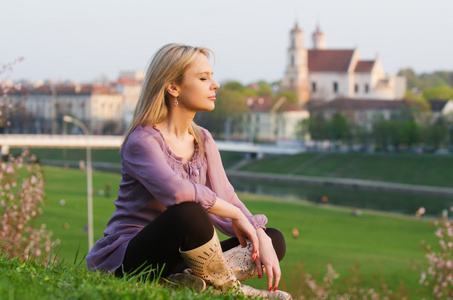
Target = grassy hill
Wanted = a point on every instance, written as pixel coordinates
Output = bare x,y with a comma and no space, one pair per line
418,169
431,170
384,246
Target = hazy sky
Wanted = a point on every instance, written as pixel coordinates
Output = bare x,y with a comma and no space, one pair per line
83,40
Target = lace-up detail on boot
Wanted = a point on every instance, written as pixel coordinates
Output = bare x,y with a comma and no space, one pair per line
208,263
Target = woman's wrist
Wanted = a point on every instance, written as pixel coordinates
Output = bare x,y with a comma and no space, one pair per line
261,234
237,214
224,209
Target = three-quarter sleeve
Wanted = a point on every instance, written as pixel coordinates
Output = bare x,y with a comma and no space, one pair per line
219,183
144,160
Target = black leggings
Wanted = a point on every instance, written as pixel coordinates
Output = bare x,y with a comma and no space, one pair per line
185,226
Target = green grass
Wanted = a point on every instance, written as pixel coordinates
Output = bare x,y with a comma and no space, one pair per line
98,155
431,170
31,280
382,244
103,155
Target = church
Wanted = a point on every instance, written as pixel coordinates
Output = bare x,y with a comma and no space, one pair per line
320,75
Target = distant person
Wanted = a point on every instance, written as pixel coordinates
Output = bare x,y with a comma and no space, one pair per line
174,190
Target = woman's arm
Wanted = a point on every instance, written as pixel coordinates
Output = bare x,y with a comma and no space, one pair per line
264,252
241,224
219,184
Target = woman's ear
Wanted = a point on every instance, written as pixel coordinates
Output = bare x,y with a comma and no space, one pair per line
172,89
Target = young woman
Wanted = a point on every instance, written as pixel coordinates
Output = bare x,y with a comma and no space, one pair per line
174,189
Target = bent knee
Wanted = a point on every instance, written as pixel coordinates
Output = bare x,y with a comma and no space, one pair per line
192,219
278,241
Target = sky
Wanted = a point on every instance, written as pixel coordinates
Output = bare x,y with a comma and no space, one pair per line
87,40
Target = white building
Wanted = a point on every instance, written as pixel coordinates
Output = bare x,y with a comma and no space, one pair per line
41,110
271,120
321,74
362,112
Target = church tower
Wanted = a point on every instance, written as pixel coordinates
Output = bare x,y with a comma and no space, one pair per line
296,75
319,40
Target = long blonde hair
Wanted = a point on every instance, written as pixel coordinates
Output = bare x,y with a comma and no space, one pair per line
167,66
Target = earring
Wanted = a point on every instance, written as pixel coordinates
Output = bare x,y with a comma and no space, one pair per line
176,102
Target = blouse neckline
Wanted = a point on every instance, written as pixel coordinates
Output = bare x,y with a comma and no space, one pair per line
194,161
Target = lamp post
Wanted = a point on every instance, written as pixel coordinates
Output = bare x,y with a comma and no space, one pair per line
70,119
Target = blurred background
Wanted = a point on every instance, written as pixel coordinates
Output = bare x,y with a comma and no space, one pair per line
334,118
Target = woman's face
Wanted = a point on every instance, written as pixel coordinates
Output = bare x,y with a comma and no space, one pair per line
197,90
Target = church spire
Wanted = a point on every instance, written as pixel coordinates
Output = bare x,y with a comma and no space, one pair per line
319,39
296,75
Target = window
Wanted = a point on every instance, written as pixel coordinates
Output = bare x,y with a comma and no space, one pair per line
367,88
292,60
313,87
335,86
356,88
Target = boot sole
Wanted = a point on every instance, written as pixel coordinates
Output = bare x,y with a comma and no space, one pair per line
188,280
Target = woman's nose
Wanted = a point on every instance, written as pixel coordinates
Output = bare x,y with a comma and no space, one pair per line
215,85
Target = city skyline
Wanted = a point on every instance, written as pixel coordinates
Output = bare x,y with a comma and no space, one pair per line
83,41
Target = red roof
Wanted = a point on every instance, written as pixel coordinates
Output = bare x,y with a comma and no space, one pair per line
70,89
63,89
287,106
329,60
260,103
127,81
265,103
364,66
103,89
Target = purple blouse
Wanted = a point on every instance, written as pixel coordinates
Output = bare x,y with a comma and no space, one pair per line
154,178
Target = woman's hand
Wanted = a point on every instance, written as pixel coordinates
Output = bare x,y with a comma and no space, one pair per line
242,228
268,258
241,225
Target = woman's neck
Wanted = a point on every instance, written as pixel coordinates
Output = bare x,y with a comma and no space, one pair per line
176,124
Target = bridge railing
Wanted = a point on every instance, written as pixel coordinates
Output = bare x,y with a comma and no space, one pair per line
114,142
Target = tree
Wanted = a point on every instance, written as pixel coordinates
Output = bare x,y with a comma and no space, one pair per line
420,101
302,128
291,96
360,134
435,134
444,92
318,127
339,128
264,89
229,104
411,78
410,133
234,86
386,133
426,80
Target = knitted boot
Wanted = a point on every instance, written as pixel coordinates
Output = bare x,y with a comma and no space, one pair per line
240,261
208,263
188,280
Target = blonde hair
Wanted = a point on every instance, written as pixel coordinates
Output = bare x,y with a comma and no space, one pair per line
167,66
